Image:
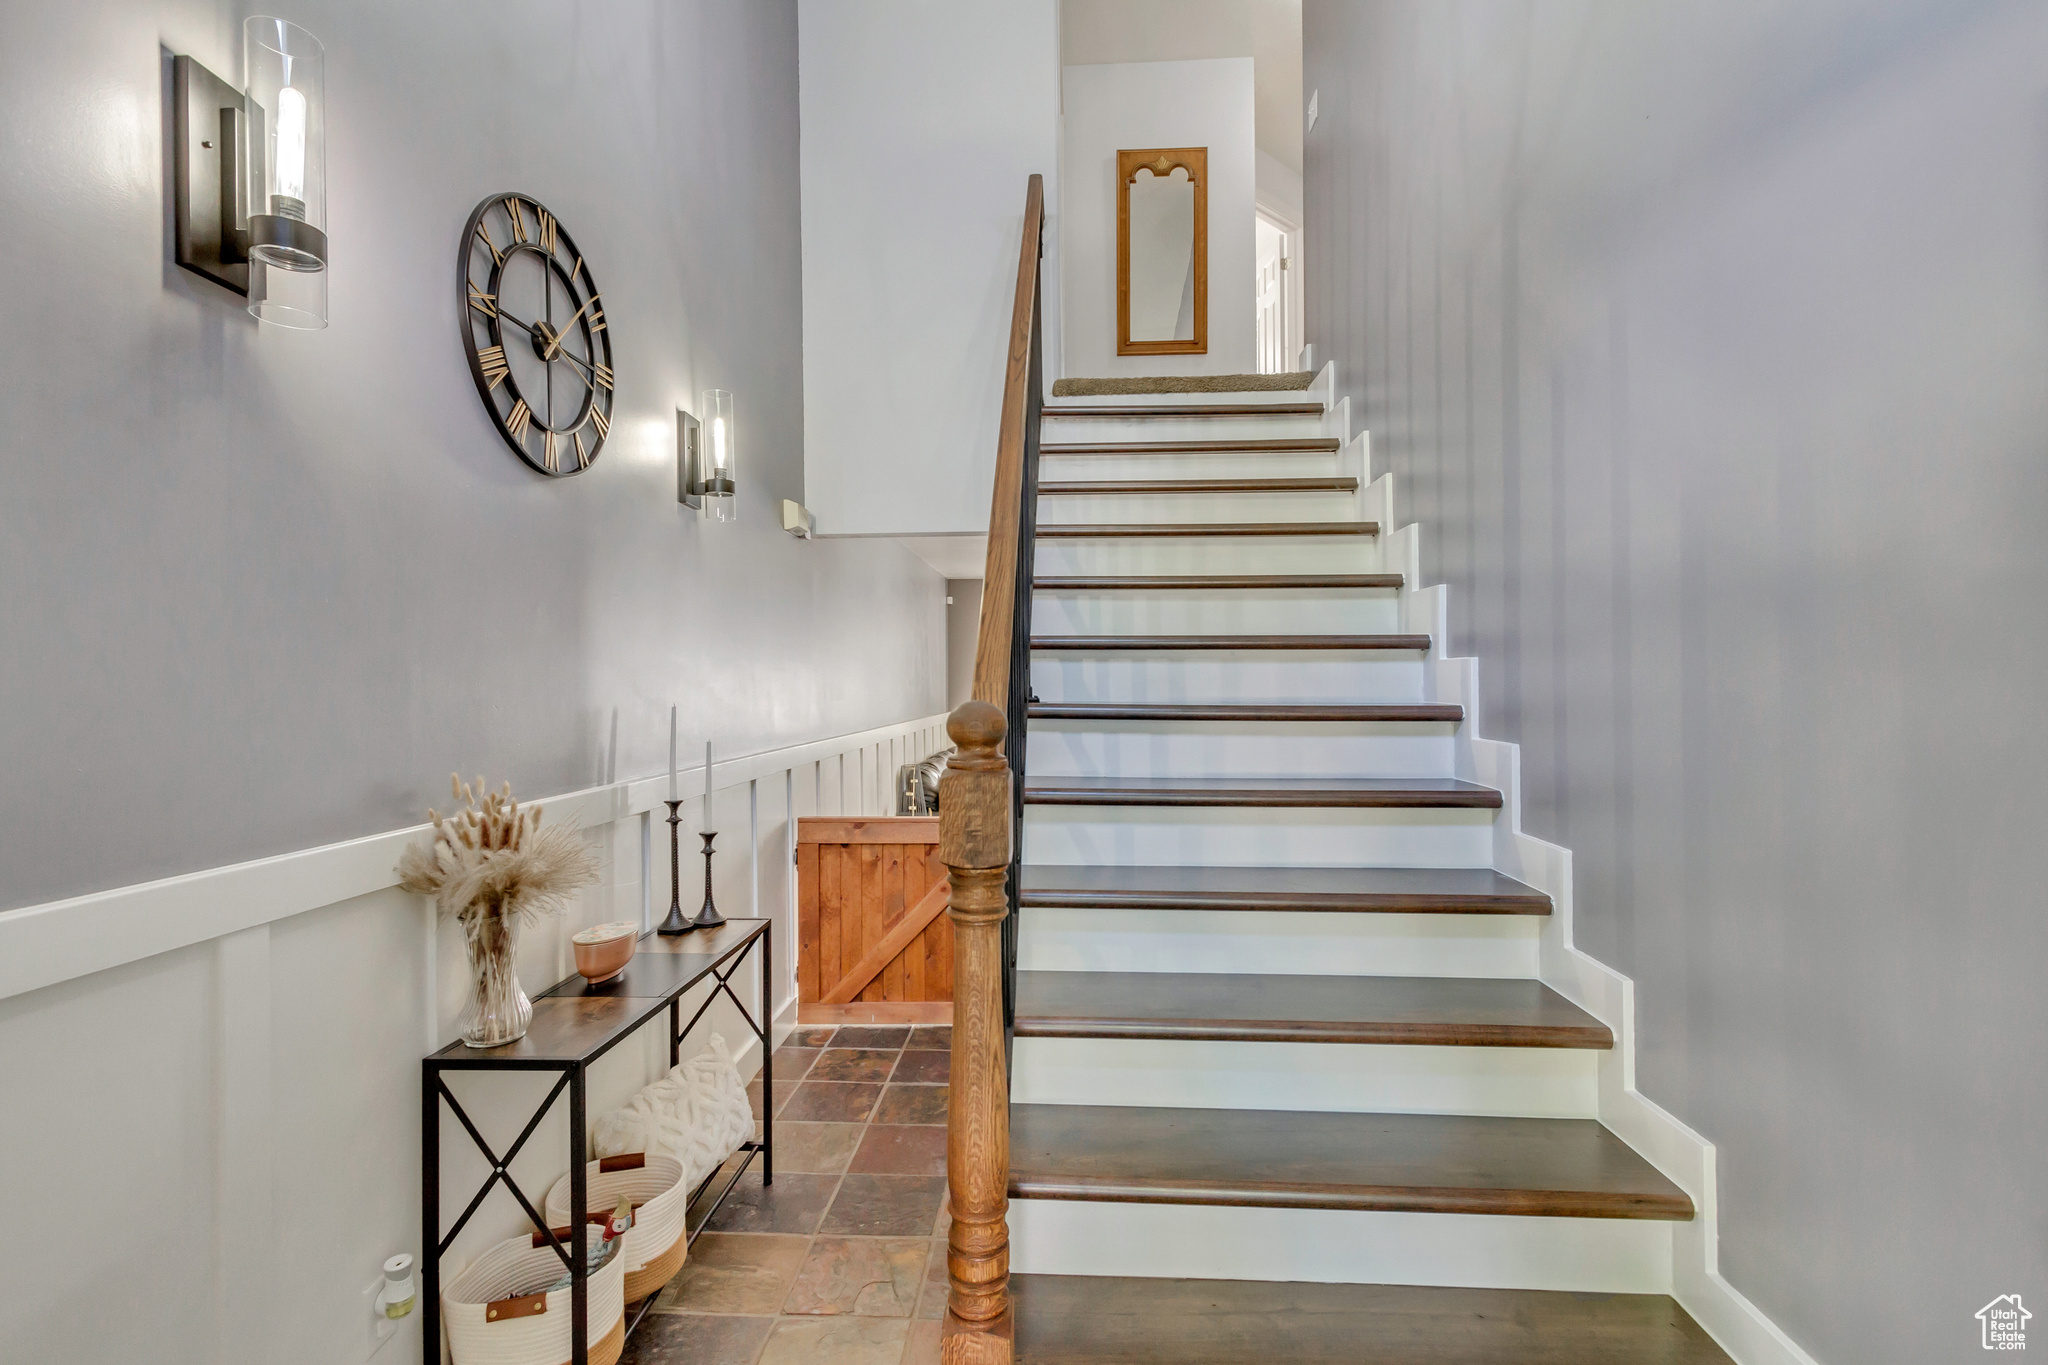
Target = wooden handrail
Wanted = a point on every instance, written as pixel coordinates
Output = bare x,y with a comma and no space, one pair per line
992,648
978,818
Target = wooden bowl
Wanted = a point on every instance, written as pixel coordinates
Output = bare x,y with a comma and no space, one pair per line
603,950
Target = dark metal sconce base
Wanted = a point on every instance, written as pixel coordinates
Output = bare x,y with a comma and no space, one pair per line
677,922
210,137
689,456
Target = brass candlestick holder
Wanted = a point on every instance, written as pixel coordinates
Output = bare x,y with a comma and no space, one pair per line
677,922
708,917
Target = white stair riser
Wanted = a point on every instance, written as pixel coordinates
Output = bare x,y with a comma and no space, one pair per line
1074,430
1096,509
1247,836
1279,942
1510,1082
1076,748
1291,464
1207,555
1187,611
1317,392
1297,676
1335,1246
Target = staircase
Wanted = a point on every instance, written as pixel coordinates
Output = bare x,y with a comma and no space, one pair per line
1254,1057
1281,1058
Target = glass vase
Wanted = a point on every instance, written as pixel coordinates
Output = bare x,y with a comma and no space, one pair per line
500,1013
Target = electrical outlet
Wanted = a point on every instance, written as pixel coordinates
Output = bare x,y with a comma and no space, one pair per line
1310,122
381,1328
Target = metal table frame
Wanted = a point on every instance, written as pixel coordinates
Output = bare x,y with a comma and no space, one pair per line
727,948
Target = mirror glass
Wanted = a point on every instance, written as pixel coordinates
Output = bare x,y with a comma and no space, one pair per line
1162,259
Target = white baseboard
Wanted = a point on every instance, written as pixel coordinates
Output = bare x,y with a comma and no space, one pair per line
748,1057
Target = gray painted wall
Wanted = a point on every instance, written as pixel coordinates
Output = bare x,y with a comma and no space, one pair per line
264,589
963,633
1707,343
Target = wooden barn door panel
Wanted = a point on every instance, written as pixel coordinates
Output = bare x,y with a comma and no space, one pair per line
871,911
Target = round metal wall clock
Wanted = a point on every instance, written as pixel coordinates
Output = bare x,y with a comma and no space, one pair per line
535,333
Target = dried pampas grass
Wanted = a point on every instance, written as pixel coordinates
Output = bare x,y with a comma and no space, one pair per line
491,857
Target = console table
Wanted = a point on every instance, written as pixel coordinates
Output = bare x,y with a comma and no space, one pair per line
575,1023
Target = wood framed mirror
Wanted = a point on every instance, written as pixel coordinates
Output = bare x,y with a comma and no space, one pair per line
1162,251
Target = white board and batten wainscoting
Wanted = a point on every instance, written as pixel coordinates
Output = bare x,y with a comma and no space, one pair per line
212,1081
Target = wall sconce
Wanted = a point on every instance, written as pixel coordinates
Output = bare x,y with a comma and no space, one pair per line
251,174
714,471
689,460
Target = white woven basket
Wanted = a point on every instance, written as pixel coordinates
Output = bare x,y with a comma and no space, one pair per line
655,1245
486,1326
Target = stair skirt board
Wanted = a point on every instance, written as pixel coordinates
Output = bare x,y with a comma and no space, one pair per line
1239,836
1480,1251
1387,1078
1305,677
1057,749
1280,942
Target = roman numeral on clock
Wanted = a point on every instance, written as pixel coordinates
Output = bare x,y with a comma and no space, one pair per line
484,234
596,317
495,367
597,419
518,219
547,230
487,304
516,421
601,374
582,455
547,452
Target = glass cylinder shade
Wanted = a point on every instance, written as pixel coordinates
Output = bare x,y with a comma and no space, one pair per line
286,78
720,454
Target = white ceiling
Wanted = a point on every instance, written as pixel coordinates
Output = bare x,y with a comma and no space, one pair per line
1267,31
951,556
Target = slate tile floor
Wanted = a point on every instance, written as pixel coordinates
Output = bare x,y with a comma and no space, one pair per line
842,1261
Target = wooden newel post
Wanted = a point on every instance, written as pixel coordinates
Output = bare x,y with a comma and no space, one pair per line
975,812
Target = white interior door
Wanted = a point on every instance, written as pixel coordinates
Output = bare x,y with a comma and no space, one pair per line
1275,342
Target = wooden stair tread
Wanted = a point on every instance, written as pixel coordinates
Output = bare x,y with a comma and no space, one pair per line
1416,1010
1092,530
1382,890
1170,582
1082,643
1187,410
1319,792
1279,445
1085,487
1422,1163
1398,711
1097,1319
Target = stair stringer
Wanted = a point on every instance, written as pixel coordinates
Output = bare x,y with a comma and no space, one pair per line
1660,1137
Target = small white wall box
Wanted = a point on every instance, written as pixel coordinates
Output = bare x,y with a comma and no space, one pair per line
797,520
